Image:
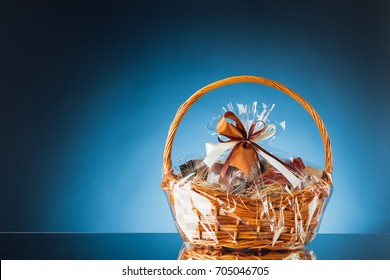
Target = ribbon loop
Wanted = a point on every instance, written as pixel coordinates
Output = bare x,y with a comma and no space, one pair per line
233,132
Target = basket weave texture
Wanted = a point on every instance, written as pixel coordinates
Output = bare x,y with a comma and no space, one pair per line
282,221
189,252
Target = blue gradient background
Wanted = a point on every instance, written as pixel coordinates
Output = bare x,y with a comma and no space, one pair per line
88,92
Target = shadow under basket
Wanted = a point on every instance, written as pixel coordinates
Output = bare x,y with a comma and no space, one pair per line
285,220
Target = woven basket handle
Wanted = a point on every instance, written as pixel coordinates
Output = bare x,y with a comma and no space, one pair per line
167,164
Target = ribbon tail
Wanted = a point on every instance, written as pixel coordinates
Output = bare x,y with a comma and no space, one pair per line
295,182
214,151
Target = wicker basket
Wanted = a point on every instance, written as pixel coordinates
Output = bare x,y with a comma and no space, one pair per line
189,252
290,221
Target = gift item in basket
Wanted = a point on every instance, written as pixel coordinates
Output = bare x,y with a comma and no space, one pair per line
242,196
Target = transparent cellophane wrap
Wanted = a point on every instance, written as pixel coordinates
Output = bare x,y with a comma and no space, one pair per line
260,209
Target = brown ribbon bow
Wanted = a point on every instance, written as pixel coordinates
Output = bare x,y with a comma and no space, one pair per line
244,153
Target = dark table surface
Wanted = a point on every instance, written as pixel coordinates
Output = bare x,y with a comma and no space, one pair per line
166,246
